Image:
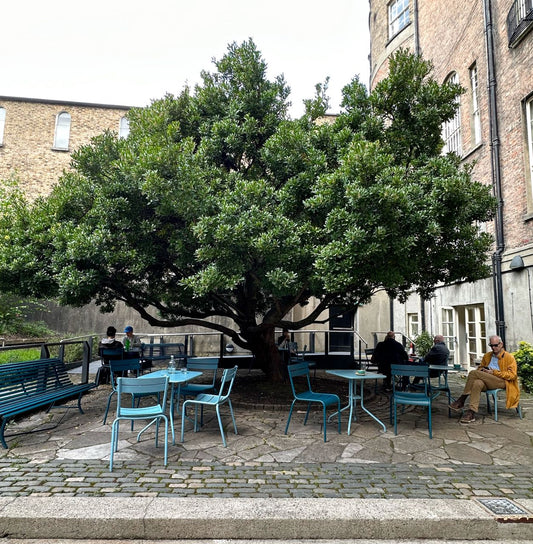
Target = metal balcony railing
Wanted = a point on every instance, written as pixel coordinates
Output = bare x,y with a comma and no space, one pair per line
519,20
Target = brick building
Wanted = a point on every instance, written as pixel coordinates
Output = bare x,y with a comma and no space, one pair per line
38,136
487,47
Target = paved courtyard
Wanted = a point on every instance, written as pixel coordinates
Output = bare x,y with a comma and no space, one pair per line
70,458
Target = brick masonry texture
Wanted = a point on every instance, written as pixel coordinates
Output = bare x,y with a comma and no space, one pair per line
27,152
452,36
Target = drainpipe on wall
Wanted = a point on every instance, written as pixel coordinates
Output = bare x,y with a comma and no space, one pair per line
495,169
415,17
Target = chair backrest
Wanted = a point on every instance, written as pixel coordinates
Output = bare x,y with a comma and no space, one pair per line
226,383
298,370
111,354
141,386
417,371
123,365
209,364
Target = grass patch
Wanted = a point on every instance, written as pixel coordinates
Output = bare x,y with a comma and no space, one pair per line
16,355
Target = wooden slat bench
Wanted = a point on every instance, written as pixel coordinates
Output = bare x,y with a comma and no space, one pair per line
27,385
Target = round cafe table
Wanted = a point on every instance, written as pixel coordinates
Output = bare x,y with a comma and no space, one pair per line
353,378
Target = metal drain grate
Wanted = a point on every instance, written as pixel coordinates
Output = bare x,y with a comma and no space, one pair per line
503,507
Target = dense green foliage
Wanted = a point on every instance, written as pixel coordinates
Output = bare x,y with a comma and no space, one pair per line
524,360
14,317
217,205
423,343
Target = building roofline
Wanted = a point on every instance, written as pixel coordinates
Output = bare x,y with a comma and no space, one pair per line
64,102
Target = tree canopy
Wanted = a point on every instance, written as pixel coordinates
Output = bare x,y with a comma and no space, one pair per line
218,205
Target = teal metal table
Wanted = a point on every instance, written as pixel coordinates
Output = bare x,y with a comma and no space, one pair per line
175,379
353,396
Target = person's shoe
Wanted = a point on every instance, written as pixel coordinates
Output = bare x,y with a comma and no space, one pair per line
469,417
457,405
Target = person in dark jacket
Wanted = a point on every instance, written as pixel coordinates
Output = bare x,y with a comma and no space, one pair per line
387,353
438,354
110,342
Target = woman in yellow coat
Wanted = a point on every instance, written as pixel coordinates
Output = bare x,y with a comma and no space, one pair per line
498,370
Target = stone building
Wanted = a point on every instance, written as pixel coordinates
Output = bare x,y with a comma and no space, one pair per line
487,47
37,137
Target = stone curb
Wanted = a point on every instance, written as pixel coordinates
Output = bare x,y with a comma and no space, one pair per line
165,518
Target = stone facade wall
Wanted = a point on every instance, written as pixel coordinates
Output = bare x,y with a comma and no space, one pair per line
452,35
27,151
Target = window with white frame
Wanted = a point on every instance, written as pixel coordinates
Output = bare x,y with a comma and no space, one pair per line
123,128
451,130
476,118
476,334
448,331
413,325
2,124
398,16
529,120
62,133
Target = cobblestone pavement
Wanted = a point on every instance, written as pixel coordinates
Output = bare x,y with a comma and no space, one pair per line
483,459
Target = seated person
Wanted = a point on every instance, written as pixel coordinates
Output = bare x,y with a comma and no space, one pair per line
387,353
110,342
284,339
131,341
497,370
437,355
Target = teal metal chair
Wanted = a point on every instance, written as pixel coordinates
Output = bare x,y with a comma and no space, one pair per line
401,397
107,354
214,399
206,365
118,369
441,384
494,394
133,387
301,370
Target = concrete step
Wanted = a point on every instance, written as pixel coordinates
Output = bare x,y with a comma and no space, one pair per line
256,520
260,541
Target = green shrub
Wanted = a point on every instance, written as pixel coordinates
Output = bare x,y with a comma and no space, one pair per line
524,360
423,343
14,317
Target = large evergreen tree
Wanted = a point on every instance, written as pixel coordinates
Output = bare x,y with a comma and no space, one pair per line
217,205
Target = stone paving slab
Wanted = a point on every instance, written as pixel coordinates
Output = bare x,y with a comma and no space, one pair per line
71,458
67,461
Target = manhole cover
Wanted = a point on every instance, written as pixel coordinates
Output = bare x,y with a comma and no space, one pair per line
503,507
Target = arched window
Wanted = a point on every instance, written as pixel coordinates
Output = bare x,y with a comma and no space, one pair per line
123,128
451,130
2,124
62,134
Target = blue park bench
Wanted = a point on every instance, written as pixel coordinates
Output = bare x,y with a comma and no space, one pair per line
28,385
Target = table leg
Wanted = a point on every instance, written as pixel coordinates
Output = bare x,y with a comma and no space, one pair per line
172,387
352,404
368,411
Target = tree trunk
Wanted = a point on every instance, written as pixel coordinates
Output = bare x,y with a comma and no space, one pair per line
263,346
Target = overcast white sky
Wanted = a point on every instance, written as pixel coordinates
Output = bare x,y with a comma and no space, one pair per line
128,52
